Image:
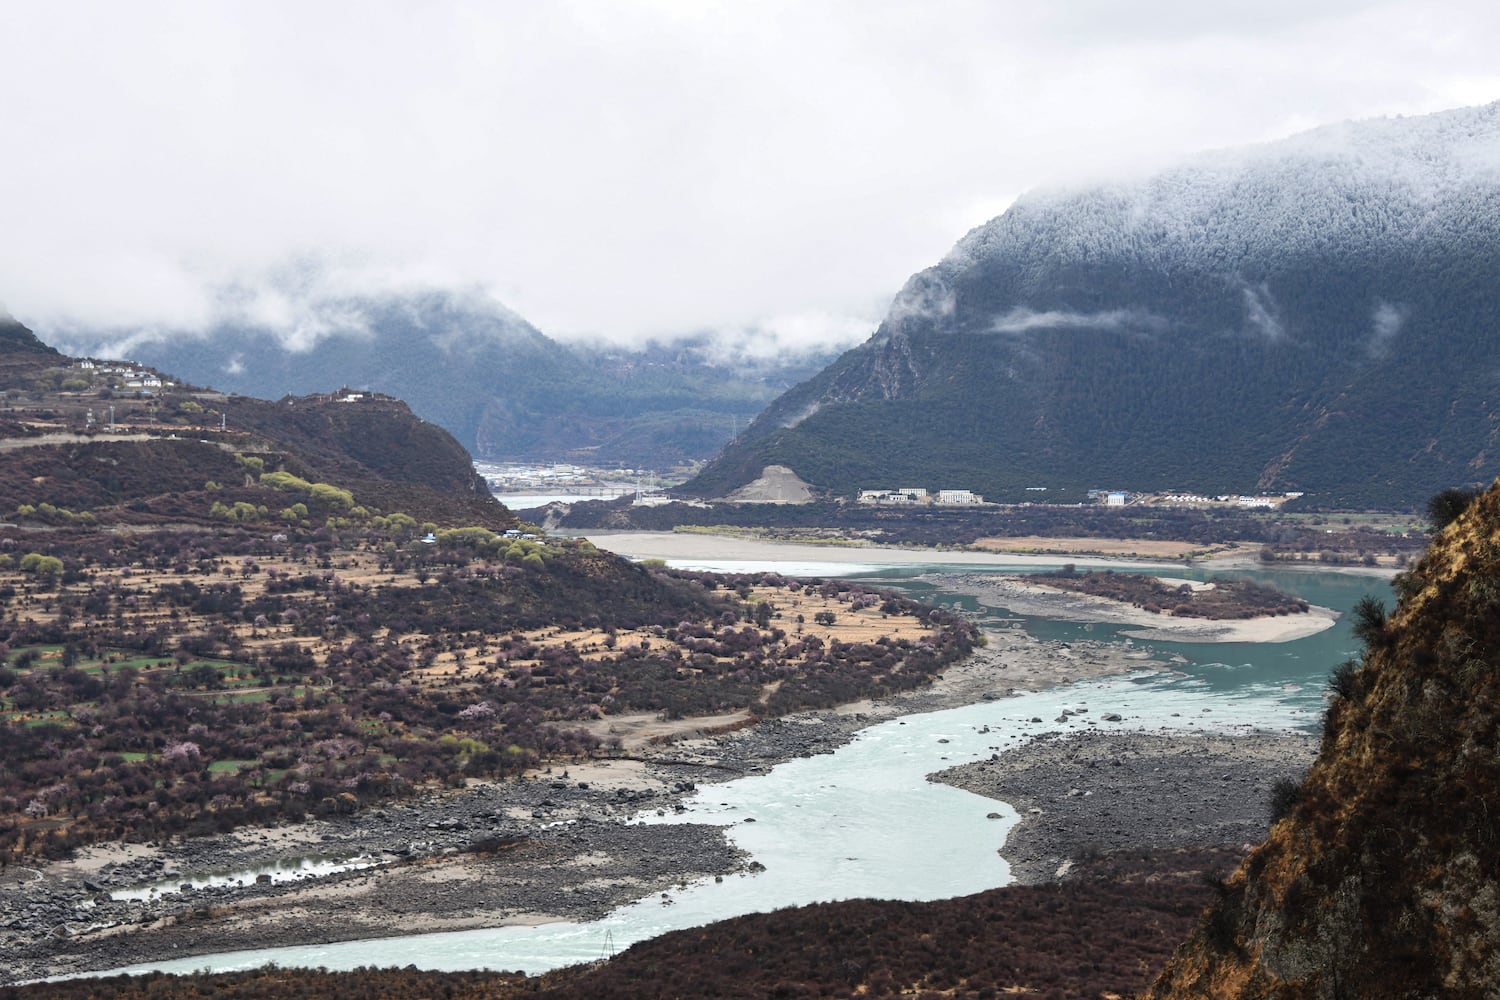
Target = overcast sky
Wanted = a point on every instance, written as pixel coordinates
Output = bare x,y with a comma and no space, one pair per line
627,169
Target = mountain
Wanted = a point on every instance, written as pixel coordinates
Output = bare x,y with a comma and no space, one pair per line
1382,877
502,387
16,339
1317,314
151,463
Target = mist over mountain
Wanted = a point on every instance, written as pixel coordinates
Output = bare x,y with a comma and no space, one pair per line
503,388
1317,314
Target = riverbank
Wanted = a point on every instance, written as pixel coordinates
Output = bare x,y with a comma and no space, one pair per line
697,547
1096,792
701,547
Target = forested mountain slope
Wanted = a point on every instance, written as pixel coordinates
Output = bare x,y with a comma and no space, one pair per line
1317,314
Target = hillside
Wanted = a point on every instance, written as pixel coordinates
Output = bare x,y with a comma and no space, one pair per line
86,437
16,339
504,389
1381,878
1310,315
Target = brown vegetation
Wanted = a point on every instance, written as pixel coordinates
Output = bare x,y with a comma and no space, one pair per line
178,683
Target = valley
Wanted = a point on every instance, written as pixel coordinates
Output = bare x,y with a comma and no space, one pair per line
1038,644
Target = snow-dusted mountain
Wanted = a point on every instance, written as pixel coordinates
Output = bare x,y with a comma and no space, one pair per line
1317,314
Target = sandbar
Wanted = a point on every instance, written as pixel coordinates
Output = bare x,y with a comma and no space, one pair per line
1027,598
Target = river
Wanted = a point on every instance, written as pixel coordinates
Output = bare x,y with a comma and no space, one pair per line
864,821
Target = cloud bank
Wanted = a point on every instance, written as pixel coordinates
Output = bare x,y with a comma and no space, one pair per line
772,171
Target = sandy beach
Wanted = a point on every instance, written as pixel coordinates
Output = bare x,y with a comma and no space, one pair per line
1018,595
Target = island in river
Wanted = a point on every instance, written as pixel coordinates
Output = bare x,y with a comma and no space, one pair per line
1159,607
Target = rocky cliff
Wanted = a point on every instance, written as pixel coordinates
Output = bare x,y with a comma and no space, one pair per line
1382,878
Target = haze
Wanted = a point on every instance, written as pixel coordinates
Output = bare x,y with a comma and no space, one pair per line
767,171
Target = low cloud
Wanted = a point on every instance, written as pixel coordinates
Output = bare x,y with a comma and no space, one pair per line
1021,320
802,415
1385,324
299,304
925,298
1260,313
169,161
791,336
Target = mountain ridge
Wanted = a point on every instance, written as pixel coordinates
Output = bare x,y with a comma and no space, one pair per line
1243,321
506,390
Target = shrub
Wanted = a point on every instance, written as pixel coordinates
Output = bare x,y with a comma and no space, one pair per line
1369,621
40,565
1285,795
1344,681
1444,508
285,481
333,496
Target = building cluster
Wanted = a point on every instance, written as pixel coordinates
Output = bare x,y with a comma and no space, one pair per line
1245,501
129,374
912,495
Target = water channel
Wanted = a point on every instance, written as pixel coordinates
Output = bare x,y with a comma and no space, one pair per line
864,821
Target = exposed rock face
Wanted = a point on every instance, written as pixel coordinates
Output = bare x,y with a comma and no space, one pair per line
777,484
1383,878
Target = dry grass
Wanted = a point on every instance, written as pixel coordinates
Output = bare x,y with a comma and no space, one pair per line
866,625
451,666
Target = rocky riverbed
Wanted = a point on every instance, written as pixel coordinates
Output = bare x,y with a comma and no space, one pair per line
1099,791
508,852
556,845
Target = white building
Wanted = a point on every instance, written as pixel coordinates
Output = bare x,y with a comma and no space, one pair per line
907,494
958,497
